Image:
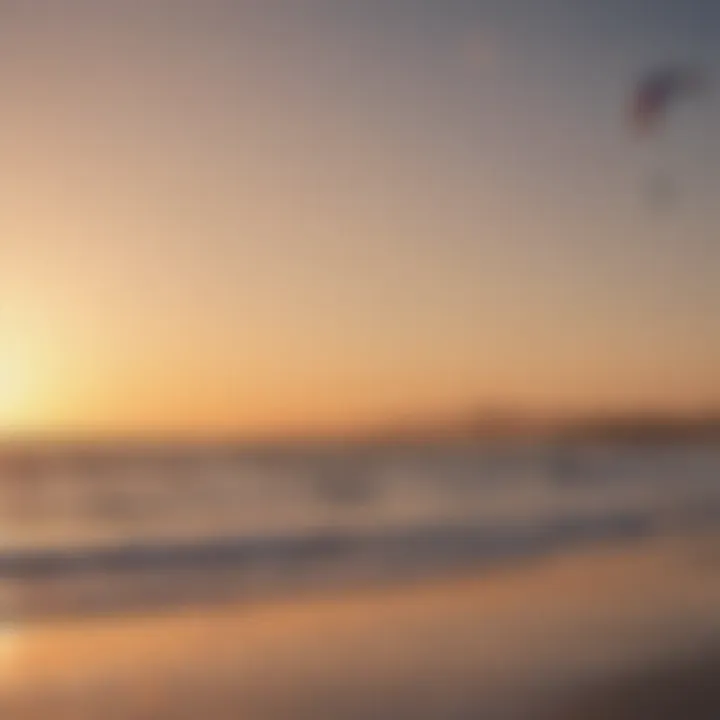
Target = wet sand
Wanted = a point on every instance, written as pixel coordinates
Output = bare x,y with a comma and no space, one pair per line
589,636
684,689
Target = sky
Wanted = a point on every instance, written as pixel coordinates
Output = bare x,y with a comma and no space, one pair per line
299,215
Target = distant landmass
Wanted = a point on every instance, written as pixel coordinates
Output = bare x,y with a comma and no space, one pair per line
467,427
625,427
645,427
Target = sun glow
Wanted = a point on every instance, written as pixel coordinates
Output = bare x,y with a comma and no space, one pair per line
18,396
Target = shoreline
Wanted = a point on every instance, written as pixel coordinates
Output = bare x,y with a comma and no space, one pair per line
484,644
223,582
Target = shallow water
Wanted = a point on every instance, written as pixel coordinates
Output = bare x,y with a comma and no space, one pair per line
115,528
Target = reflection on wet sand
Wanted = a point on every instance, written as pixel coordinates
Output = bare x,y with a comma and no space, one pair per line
499,645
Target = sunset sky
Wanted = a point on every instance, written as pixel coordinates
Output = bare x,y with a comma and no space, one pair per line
265,215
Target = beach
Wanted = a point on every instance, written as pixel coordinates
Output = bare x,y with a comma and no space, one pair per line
601,632
359,360
672,690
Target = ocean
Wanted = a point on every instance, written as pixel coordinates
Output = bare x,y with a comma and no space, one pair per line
116,529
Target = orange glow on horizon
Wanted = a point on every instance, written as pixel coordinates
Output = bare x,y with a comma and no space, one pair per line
213,231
